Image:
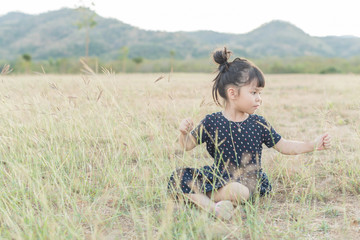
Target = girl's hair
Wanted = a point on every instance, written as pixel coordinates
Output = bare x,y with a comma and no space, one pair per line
239,72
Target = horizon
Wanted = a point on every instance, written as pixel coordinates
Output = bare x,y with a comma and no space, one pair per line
192,16
200,30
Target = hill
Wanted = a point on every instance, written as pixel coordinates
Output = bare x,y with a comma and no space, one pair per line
54,34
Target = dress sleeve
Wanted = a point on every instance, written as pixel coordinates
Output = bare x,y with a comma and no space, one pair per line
269,136
200,132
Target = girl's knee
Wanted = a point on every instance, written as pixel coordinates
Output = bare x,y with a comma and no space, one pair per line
239,191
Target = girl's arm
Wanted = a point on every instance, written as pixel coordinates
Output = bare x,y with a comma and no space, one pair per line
290,147
187,140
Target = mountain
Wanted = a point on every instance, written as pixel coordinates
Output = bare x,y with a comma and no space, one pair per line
279,38
55,34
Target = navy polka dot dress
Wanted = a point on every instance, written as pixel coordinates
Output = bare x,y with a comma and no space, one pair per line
236,149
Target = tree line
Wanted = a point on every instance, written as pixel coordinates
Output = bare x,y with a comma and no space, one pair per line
307,64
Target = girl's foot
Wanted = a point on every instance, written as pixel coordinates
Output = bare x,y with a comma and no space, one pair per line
224,210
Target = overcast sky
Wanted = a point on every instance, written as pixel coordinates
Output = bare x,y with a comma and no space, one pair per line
315,17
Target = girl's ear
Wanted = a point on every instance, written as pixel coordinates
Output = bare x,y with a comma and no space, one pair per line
232,93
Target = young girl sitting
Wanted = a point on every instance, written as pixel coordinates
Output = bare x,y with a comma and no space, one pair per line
234,138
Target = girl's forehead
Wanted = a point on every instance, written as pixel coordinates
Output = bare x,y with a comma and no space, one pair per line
254,84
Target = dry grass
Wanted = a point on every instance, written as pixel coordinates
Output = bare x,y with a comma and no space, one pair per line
88,157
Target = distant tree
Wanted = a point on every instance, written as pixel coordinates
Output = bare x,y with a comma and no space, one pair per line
27,59
86,22
124,52
137,61
329,70
172,56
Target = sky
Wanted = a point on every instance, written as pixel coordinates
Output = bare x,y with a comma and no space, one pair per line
315,17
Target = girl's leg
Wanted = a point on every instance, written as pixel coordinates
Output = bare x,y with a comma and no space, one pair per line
222,209
202,201
233,191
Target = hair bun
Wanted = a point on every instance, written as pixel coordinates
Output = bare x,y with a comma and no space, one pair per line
221,56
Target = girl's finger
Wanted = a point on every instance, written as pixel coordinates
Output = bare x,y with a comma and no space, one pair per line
189,122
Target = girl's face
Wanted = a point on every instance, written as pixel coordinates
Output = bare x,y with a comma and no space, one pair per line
248,99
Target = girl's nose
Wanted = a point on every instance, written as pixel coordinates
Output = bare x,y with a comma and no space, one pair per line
258,98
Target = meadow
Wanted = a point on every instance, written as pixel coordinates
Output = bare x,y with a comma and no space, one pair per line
89,157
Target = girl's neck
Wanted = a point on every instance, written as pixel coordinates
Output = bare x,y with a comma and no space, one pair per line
233,115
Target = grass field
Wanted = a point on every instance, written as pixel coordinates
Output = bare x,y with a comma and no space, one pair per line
89,157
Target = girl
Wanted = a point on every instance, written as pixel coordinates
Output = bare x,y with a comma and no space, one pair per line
234,138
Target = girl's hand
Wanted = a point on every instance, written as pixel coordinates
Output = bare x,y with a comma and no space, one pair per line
186,126
323,142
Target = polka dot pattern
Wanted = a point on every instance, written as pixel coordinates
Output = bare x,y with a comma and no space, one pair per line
236,154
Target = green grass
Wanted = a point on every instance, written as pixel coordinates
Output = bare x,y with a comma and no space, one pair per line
89,157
